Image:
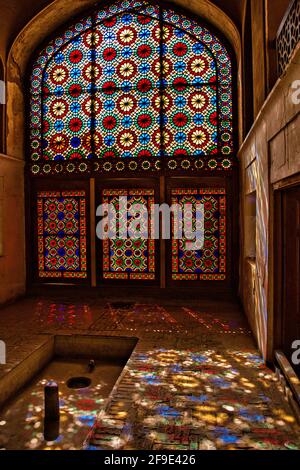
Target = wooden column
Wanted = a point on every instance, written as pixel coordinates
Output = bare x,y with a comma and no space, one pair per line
162,191
93,232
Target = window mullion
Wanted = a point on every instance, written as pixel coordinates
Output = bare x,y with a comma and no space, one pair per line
161,86
93,90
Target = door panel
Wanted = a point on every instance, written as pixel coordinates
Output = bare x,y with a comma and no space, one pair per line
129,259
209,261
61,233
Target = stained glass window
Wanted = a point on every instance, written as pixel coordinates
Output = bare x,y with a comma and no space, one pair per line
128,257
134,86
61,220
209,262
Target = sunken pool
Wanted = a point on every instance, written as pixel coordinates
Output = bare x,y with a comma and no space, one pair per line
85,369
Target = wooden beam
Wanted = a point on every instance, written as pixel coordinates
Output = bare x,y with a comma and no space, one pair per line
162,191
289,374
93,233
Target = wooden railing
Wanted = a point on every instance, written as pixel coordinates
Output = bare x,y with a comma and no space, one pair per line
288,35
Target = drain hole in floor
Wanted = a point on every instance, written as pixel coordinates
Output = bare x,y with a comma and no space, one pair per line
122,305
79,382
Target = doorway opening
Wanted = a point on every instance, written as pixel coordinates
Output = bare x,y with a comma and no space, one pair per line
287,275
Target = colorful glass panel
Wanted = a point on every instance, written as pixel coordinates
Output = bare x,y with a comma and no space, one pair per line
131,129
61,218
191,127
208,263
132,81
129,257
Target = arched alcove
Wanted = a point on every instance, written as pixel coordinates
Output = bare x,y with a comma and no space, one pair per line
162,184
54,16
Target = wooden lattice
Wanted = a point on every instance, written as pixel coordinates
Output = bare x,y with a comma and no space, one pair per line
288,36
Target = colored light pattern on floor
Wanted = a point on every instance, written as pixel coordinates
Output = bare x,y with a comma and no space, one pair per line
212,322
184,399
151,318
196,379
157,318
63,315
23,417
78,413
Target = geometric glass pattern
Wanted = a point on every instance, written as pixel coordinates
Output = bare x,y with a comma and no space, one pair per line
61,220
128,257
133,82
209,262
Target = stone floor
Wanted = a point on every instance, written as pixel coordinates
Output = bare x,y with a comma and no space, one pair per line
194,381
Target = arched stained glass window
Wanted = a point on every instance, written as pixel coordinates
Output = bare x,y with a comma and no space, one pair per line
144,92
133,86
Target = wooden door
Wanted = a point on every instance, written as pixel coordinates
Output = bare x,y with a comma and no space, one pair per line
127,261
291,272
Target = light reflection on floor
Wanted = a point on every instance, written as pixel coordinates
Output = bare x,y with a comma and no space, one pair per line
157,318
49,315
63,314
196,379
22,419
217,324
198,400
